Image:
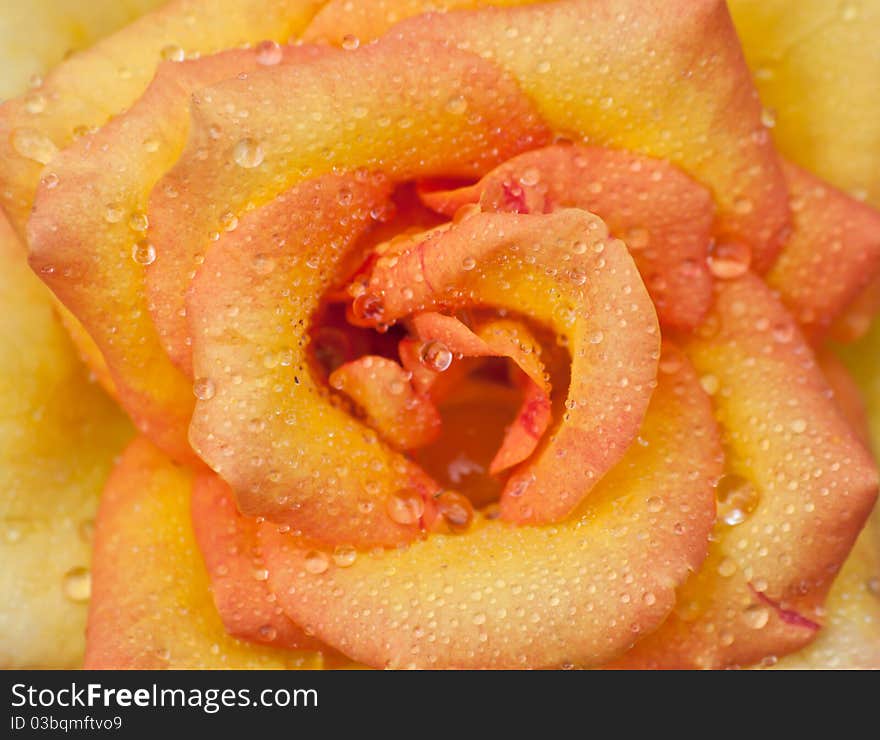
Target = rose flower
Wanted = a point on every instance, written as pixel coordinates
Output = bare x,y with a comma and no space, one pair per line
454,334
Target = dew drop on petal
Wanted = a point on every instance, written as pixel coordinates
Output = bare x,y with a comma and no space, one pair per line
248,153
436,356
204,389
77,584
405,506
316,562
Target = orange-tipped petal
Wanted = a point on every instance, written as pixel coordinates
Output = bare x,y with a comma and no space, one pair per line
265,422
797,489
58,436
148,572
850,638
457,114
856,320
228,543
664,217
88,241
382,388
847,395
561,269
345,23
87,89
500,338
665,78
832,255
576,593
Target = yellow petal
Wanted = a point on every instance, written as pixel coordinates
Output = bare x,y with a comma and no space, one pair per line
817,67
58,436
36,35
152,604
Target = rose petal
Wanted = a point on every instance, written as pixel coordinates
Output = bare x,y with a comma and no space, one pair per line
500,597
851,636
88,242
36,36
119,68
666,79
856,320
58,436
265,423
597,303
833,253
798,488
500,338
382,388
664,217
151,601
818,71
306,120
846,394
228,543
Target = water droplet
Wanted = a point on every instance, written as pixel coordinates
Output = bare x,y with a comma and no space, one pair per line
204,389
798,426
350,42
113,213
248,153
269,53
710,384
173,53
436,356
768,117
737,498
468,263
35,103
756,616
530,177
727,567
368,307
229,221
268,633
49,181
344,556
729,260
138,221
316,562
33,145
456,510
743,206
457,105
261,574
405,506
655,504
874,585
77,584
143,253
263,264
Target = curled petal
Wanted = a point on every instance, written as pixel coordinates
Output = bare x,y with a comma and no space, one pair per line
598,304
576,593
148,572
228,543
88,241
400,124
832,255
264,422
797,489
382,388
500,338
664,216
665,78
